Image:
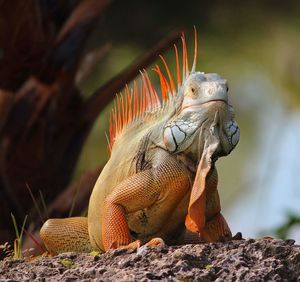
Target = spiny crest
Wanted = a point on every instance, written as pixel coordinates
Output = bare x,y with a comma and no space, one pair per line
142,98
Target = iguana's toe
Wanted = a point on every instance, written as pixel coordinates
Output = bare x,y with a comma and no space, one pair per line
156,242
133,245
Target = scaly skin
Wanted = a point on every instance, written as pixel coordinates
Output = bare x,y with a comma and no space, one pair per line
161,174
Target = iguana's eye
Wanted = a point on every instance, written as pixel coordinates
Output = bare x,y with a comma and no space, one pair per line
193,94
227,89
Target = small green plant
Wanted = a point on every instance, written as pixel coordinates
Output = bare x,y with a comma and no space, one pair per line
66,262
208,266
19,237
95,253
282,231
184,279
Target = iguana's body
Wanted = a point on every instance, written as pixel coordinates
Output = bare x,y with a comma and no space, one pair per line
161,171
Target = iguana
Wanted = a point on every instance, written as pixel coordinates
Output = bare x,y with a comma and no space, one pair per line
160,180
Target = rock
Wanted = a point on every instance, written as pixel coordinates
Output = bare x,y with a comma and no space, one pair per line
241,260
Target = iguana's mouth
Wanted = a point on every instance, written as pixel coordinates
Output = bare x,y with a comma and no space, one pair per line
214,100
203,103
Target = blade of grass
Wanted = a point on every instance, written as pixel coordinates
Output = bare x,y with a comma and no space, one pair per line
35,203
44,204
19,240
15,225
75,199
23,226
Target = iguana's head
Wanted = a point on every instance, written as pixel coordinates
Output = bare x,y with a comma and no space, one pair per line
194,110
200,88
202,108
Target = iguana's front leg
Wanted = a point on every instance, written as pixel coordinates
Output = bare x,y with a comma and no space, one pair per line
164,186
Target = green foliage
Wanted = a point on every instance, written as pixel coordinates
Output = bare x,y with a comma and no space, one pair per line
66,262
19,237
183,279
282,230
95,253
208,267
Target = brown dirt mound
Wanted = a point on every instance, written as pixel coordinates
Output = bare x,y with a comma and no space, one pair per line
246,260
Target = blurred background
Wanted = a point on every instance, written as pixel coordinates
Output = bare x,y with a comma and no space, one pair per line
255,45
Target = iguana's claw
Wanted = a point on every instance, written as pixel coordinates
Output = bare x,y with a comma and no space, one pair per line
133,245
156,242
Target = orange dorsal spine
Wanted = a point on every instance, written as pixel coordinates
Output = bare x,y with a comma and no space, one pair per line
135,102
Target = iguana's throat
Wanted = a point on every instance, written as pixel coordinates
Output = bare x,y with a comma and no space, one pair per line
186,134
